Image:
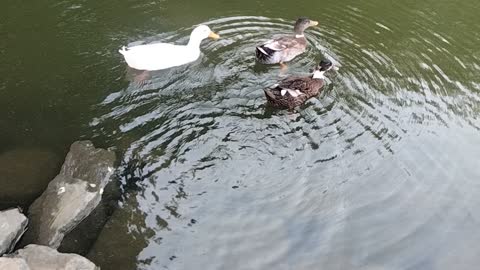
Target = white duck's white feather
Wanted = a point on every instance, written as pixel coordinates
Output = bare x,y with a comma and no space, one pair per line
159,56
163,55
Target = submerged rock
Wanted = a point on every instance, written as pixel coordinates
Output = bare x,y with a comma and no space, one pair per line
39,257
12,226
118,233
25,173
71,196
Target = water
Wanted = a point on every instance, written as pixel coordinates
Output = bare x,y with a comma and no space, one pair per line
380,171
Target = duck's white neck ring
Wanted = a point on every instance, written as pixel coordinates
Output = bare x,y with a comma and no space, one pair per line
299,36
318,74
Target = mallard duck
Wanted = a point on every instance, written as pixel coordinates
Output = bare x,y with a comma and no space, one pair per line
285,48
294,91
163,55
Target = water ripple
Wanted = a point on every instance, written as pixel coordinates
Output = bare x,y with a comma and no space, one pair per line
342,177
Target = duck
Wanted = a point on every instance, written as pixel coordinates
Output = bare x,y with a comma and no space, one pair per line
159,56
293,91
284,49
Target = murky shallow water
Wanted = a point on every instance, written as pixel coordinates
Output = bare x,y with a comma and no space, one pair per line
380,171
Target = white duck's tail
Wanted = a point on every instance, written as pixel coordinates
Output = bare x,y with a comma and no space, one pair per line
123,50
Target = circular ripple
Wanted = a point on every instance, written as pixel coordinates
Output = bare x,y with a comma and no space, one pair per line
303,188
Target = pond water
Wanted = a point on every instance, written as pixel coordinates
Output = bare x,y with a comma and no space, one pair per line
380,171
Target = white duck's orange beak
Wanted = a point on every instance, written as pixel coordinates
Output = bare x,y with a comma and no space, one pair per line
214,36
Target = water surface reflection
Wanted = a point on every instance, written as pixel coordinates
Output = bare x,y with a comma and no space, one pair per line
378,172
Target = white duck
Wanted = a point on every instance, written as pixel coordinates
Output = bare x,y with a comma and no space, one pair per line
163,55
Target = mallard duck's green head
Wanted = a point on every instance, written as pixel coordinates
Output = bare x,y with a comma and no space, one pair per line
302,24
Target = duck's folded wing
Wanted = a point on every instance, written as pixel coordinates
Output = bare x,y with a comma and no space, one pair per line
296,83
148,49
291,92
281,43
155,56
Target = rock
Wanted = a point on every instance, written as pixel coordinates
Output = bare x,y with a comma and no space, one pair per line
88,163
118,233
12,226
71,196
25,173
13,264
81,239
41,258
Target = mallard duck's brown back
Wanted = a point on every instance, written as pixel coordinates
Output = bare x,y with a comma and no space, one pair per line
307,87
281,49
275,99
299,45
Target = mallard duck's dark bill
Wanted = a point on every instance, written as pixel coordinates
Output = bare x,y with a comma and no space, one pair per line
313,23
212,35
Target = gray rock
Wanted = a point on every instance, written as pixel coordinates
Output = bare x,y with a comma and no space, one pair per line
71,196
12,226
84,161
81,239
41,258
13,264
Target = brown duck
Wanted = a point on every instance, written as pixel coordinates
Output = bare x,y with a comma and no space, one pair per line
294,91
284,49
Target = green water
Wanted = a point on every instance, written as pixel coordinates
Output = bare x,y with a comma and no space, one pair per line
380,171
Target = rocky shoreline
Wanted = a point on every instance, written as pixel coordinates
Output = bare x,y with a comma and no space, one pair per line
32,241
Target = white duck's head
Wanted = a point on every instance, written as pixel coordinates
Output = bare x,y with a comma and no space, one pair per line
200,33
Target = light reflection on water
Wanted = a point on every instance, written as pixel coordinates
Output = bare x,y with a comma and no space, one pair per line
378,172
